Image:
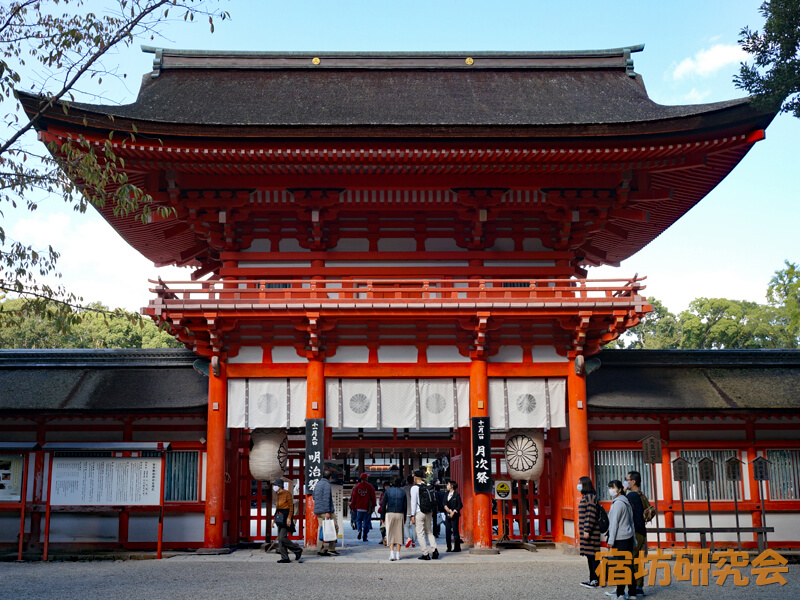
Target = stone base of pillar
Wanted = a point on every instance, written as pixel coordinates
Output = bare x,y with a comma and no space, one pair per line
484,551
213,551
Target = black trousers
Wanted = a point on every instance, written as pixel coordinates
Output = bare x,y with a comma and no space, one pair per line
593,576
627,546
285,544
451,532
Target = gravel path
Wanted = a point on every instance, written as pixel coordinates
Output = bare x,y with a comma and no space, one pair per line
258,576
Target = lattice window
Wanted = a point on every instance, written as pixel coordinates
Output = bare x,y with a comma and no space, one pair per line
180,480
784,474
615,464
720,488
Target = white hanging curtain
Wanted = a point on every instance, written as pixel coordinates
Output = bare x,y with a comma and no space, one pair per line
266,402
398,403
516,403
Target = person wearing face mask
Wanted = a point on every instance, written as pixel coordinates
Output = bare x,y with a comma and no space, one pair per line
284,513
621,533
588,510
632,485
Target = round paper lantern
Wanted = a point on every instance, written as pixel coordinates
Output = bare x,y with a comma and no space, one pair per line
525,454
268,455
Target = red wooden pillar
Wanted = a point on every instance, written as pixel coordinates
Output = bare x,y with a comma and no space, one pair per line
465,441
754,492
481,503
557,481
215,459
315,409
665,485
578,438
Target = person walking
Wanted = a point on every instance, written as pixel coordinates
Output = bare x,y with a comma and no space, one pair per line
621,534
588,511
411,532
362,500
284,515
393,513
632,485
452,511
423,506
323,508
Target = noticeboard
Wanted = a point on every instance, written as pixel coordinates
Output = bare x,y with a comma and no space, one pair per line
105,481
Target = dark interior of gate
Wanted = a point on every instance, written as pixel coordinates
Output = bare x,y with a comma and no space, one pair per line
522,513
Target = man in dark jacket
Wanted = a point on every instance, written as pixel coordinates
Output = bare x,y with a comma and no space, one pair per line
632,483
323,508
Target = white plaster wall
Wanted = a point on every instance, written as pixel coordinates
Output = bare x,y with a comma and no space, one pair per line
533,245
83,436
177,528
350,354
445,354
286,354
351,245
248,354
502,245
569,528
72,527
787,526
397,245
291,245
442,245
259,245
714,432
786,434
397,354
719,519
541,354
507,354
9,527
274,264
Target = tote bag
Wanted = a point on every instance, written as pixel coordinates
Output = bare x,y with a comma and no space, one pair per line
328,531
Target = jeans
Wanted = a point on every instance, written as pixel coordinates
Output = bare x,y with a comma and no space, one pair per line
410,529
626,546
423,525
364,523
451,532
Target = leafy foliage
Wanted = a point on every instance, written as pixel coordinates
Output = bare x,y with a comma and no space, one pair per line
57,48
720,323
98,327
774,77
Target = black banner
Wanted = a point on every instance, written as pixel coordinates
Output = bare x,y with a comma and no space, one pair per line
481,455
315,452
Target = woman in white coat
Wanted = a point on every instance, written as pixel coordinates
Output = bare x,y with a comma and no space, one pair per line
621,533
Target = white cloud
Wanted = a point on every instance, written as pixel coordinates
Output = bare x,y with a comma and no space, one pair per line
696,96
707,62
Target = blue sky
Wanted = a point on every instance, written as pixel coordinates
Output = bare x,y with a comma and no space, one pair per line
727,246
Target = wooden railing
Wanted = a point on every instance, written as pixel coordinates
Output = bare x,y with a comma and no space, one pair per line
334,291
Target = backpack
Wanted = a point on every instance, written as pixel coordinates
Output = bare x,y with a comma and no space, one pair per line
649,509
427,499
602,523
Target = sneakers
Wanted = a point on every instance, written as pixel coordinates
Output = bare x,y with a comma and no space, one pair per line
424,557
435,554
298,554
359,536
334,552
640,592
590,584
408,543
284,560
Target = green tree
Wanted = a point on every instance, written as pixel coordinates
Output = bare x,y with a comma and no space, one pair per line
720,323
59,48
658,330
783,294
774,76
97,327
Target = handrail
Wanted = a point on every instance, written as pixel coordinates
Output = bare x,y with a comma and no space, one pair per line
395,290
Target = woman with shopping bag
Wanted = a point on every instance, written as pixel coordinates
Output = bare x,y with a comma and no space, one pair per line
326,517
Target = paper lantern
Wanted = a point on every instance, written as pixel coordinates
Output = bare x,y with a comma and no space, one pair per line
268,455
525,454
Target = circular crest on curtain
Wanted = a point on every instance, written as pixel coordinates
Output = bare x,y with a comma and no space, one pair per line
268,454
525,454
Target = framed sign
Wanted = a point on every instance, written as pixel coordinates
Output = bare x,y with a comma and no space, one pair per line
106,481
11,466
315,452
760,469
481,455
733,469
680,469
706,469
651,450
502,490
